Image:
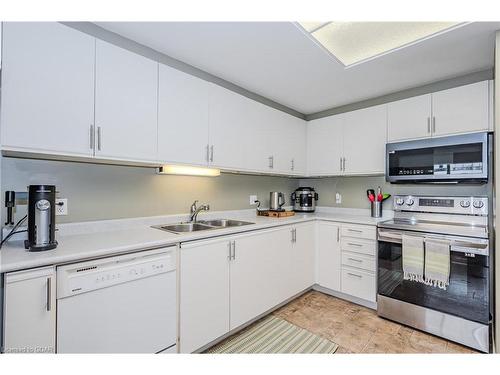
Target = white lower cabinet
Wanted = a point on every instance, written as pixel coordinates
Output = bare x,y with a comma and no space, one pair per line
259,274
329,258
204,292
227,282
359,248
346,259
30,311
302,258
358,283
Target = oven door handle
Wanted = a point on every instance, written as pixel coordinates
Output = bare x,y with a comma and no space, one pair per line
456,245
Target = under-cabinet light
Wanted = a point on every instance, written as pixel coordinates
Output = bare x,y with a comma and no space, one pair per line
188,170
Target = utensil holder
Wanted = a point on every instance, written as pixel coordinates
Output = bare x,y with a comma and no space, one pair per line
376,209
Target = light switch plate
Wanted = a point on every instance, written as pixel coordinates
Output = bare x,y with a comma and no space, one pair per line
61,206
252,199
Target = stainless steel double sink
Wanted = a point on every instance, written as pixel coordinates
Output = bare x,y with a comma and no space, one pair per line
201,225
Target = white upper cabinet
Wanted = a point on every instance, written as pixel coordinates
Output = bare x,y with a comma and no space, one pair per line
324,146
232,129
182,117
409,118
461,109
464,109
288,143
125,104
47,89
365,135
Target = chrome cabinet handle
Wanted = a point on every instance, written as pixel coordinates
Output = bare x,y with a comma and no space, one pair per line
429,125
433,124
355,230
343,167
341,163
354,244
338,234
291,231
49,293
92,137
99,138
212,153
355,275
355,260
234,250
230,248
207,153
293,164
271,162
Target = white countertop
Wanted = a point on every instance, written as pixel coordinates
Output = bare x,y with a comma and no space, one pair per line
83,241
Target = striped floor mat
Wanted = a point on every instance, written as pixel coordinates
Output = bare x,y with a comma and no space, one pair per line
275,335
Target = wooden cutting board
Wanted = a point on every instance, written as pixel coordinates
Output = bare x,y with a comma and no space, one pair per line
275,213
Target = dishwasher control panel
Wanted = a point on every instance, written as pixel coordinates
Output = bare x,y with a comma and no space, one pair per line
84,277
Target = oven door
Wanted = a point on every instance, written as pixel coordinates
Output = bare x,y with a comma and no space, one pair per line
466,297
460,158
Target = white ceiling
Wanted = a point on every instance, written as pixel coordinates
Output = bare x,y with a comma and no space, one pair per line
278,61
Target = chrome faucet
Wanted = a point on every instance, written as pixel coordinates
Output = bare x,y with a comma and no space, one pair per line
196,210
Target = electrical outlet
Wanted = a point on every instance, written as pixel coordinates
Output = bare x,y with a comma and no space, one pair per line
338,198
61,206
253,198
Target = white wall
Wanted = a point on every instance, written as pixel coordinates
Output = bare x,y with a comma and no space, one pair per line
98,192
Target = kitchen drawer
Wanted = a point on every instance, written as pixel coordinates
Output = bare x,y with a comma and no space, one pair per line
367,247
358,261
368,232
357,283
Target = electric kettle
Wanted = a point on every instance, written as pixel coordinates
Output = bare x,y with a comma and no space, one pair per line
276,201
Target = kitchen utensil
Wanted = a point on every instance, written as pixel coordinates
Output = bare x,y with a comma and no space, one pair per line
379,194
276,201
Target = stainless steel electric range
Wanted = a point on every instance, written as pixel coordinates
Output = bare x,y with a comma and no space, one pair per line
463,311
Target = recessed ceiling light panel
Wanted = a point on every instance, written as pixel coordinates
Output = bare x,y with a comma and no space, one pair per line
352,43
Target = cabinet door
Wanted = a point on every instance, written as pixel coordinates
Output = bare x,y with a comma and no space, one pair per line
461,110
204,293
290,149
365,134
125,104
409,118
258,274
324,146
47,88
233,129
302,257
182,117
30,311
329,256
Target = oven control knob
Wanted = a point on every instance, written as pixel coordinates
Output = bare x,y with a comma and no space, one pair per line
465,204
400,201
478,204
409,202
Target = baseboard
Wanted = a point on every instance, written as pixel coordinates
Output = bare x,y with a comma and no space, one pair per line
347,297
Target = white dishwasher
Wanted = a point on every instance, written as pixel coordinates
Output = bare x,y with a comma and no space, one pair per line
121,304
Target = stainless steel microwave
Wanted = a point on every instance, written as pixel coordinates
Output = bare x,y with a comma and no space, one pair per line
452,159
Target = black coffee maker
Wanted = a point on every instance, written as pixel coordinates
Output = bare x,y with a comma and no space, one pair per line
41,218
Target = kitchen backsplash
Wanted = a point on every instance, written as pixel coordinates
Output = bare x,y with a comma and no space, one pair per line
353,190
98,192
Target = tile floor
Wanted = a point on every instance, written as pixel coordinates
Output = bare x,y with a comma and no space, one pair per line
357,329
